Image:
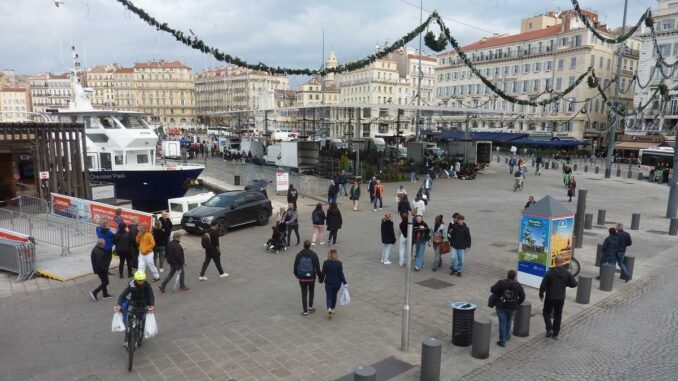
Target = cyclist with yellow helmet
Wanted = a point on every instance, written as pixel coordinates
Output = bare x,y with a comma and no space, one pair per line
138,295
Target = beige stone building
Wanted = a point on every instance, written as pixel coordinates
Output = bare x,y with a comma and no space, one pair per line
166,90
549,53
319,90
14,104
49,91
113,86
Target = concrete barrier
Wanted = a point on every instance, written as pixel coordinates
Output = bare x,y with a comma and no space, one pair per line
586,168
574,168
606,277
584,289
431,350
521,324
597,170
640,176
618,172
599,254
635,221
482,327
629,174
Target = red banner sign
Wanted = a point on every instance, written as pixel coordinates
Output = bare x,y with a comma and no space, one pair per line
13,236
92,211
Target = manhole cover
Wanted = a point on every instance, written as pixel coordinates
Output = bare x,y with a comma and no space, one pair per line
657,232
434,284
499,244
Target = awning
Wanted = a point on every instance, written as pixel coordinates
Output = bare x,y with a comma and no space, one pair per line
634,146
555,143
482,136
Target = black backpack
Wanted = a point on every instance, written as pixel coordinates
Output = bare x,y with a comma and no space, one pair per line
317,218
305,267
509,296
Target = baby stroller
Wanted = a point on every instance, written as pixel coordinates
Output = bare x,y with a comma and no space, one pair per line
277,240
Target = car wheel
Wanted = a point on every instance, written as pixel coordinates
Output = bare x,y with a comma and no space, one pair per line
262,219
221,226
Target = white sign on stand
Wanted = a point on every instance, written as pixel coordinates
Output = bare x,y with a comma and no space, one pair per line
282,181
44,175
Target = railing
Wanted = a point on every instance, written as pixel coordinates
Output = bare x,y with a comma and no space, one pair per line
18,257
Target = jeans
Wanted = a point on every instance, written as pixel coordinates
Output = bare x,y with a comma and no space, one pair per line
538,172
343,187
125,256
413,176
378,198
420,248
317,232
505,317
402,250
147,261
332,198
622,266
437,260
217,262
292,228
331,291
511,169
555,307
457,260
333,236
386,252
307,290
103,277
159,256
174,270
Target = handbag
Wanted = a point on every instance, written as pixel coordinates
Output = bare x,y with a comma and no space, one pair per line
437,239
444,247
492,301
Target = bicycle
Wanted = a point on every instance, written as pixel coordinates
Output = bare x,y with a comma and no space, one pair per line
135,326
518,185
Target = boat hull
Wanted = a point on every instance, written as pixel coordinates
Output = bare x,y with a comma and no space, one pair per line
148,190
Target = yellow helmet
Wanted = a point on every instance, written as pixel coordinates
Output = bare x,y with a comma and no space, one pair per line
140,275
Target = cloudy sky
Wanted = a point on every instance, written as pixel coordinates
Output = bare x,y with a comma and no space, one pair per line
36,35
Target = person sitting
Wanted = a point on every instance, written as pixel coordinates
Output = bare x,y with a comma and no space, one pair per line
276,242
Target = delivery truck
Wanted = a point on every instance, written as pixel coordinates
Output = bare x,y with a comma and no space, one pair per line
171,149
295,155
478,152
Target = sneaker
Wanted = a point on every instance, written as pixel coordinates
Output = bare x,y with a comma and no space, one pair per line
312,243
459,274
311,309
452,272
107,296
156,279
184,289
322,243
375,210
94,297
161,269
382,261
387,262
120,276
304,314
380,208
416,268
501,343
124,344
224,275
162,288
202,278
554,337
549,333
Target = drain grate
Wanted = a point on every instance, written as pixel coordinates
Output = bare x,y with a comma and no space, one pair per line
386,369
435,284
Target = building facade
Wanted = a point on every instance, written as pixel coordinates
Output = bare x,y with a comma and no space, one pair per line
319,90
49,91
14,104
166,90
548,55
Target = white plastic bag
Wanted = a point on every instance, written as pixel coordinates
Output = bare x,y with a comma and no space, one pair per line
344,298
150,326
176,281
117,325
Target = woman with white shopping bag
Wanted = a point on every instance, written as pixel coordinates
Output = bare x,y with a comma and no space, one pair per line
333,276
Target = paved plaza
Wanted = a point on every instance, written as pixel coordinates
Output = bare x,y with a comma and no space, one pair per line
249,326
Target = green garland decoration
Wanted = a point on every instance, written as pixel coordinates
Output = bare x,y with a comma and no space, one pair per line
645,18
435,44
619,110
198,44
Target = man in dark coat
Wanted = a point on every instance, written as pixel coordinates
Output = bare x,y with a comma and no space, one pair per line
460,239
210,242
554,286
509,294
167,228
306,269
123,246
624,242
177,262
610,248
292,196
100,262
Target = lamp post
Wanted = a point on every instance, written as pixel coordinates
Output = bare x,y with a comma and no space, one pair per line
405,331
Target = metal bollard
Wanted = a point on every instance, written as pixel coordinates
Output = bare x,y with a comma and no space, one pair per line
365,373
618,172
430,359
635,221
546,165
630,174
498,159
673,227
601,217
584,289
574,168
481,337
629,261
640,176
532,163
586,168
236,179
588,221
599,254
506,160
597,170
521,325
606,276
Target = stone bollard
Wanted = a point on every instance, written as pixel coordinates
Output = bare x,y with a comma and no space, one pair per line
365,373
584,289
635,221
574,168
546,165
532,163
629,261
606,276
673,227
481,337
498,159
430,359
597,170
618,172
236,179
588,221
506,160
521,325
640,176
601,217
599,254
630,174
586,168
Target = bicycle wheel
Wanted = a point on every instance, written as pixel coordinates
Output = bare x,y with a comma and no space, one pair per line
140,333
131,343
574,266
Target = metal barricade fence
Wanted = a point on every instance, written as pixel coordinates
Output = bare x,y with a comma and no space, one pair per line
18,257
32,205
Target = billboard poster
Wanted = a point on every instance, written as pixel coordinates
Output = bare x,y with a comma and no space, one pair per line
533,249
562,233
91,211
282,181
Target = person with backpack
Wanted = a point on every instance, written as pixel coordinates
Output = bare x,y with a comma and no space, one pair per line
292,196
508,294
378,195
355,194
332,275
387,238
421,234
459,236
306,268
210,242
334,222
554,285
318,221
331,192
512,163
404,205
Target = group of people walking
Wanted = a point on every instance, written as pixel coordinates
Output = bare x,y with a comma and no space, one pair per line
614,249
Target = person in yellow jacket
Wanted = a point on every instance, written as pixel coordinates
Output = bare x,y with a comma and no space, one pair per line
146,244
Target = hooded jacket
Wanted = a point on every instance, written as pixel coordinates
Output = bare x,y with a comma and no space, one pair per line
512,284
387,232
175,255
99,262
555,282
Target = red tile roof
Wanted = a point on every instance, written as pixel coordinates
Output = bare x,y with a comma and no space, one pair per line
13,89
125,70
509,39
423,57
160,64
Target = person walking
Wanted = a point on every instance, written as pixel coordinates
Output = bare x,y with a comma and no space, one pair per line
413,172
177,262
167,227
118,218
554,285
419,205
159,237
400,193
146,244
341,182
355,194
210,242
370,188
571,187
438,238
421,234
334,222
610,249
567,172
331,192
428,185
402,241
280,218
378,195
133,228
387,238
104,232
539,162
100,263
404,205
624,242
508,294
123,246
292,196
318,220
306,268
512,164
332,275
291,221
460,239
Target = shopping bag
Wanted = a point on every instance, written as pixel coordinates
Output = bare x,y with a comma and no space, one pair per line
176,281
444,247
344,298
150,326
117,325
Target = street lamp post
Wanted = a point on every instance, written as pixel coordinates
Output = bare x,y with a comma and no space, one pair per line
405,332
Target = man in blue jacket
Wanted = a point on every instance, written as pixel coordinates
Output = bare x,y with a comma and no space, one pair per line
105,233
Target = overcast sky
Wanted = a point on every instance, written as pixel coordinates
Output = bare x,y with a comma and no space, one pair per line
36,35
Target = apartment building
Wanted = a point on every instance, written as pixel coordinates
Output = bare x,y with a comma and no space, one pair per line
547,56
14,104
166,90
113,86
49,91
321,91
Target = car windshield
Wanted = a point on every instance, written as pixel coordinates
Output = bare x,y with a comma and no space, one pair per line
219,201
